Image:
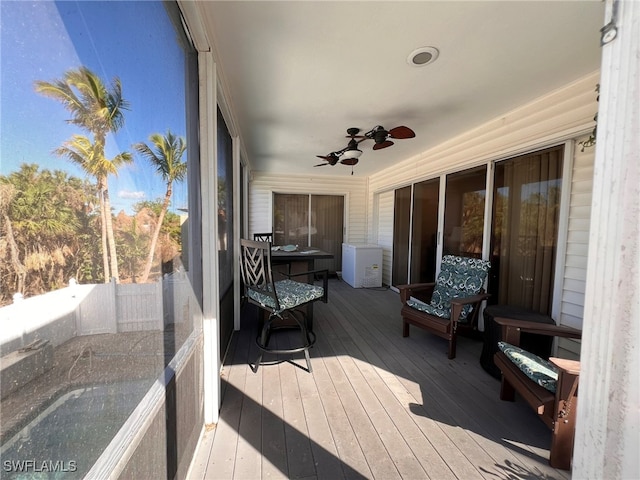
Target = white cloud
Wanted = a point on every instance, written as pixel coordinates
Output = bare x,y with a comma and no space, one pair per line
131,195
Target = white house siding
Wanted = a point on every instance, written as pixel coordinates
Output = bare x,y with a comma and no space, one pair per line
575,272
262,186
563,115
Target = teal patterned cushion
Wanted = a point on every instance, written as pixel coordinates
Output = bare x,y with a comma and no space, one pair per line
431,310
290,294
458,277
541,371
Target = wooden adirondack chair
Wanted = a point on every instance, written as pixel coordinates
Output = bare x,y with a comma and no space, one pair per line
555,400
454,298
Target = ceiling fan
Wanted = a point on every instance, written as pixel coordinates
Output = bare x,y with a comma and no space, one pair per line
381,136
350,154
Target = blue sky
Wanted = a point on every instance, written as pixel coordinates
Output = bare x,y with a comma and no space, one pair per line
134,41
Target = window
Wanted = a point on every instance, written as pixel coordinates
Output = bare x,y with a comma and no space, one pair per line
100,220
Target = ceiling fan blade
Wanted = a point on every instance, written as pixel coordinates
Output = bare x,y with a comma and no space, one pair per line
332,158
349,161
385,144
322,165
401,132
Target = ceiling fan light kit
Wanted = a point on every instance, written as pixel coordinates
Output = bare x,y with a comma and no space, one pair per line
352,151
350,154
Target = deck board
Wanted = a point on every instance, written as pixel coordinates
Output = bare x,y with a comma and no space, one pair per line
377,405
457,412
248,455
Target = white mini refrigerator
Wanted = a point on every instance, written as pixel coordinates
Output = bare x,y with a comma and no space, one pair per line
362,265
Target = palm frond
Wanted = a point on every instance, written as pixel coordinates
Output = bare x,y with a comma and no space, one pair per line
166,155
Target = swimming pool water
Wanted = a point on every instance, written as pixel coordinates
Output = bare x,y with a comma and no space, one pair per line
66,438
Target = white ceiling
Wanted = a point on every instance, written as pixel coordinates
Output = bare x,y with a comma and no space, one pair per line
299,73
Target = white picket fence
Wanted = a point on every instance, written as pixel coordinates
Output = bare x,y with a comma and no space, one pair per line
92,309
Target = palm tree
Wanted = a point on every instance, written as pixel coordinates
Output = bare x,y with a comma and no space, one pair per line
86,155
100,111
167,158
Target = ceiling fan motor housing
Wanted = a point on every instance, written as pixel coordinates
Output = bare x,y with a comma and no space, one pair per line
380,136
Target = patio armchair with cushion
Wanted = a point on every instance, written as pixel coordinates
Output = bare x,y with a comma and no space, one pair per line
453,300
549,387
281,300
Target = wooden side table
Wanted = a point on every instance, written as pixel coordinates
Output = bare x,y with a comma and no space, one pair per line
540,345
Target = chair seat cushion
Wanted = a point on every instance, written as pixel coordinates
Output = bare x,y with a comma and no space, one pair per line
429,309
290,294
541,371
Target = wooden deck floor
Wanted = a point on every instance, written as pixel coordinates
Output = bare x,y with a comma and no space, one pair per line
376,406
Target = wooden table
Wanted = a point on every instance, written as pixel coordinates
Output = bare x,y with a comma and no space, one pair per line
303,256
301,260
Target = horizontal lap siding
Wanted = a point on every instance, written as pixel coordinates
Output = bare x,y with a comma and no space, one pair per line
572,308
262,187
578,236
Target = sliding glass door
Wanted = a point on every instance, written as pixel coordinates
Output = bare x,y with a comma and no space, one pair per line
415,232
290,219
424,235
326,229
524,232
416,224
464,212
524,227
401,235
310,220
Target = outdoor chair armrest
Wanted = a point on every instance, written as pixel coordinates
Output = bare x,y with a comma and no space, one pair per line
568,366
459,302
512,328
472,299
406,291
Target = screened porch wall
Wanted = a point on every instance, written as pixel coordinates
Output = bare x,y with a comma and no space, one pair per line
566,114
